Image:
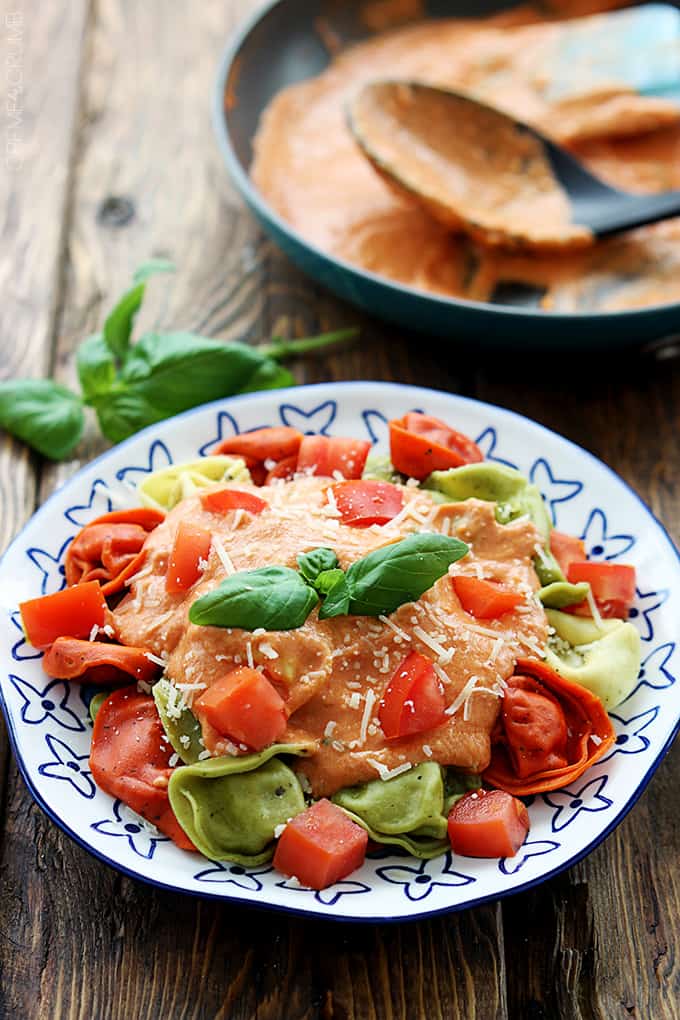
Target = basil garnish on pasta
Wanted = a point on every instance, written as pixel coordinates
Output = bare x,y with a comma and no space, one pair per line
279,598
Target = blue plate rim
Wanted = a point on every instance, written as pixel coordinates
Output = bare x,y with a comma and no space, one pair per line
252,196
330,914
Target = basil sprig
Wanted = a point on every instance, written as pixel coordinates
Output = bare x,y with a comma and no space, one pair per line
130,386
279,598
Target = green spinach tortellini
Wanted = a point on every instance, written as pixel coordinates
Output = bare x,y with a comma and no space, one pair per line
164,489
182,729
514,497
604,658
231,807
409,810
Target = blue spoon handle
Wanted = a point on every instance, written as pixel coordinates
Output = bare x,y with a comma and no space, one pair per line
623,212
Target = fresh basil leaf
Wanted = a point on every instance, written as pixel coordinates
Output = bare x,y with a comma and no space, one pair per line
313,563
337,600
151,267
269,376
327,580
275,598
96,367
47,416
119,322
120,414
399,573
176,371
279,347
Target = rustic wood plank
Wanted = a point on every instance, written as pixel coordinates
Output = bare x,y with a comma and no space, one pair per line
39,112
598,942
150,181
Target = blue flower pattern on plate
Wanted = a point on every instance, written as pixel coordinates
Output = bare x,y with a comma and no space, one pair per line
377,426
65,764
630,738
234,874
653,672
330,896
83,513
600,545
311,423
48,702
526,853
419,881
51,567
22,651
569,804
141,836
159,457
646,603
554,490
486,441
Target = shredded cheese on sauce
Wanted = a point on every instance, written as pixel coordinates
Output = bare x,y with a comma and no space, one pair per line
365,719
225,559
386,773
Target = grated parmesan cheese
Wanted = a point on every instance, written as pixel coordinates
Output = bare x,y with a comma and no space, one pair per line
444,655
427,750
249,655
397,630
156,659
223,555
462,697
386,773
93,632
365,719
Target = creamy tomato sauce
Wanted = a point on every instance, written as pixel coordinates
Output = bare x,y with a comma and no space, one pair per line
310,170
333,673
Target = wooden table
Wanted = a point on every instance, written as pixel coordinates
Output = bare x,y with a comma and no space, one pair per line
111,160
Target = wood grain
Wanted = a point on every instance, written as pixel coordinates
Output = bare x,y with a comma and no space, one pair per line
81,942
39,117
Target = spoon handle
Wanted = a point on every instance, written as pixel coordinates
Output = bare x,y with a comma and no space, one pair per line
625,212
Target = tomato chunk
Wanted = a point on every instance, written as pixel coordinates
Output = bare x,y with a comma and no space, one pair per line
72,612
612,585
420,444
129,759
362,503
566,549
488,823
484,600
413,700
244,705
323,455
320,846
264,449
191,545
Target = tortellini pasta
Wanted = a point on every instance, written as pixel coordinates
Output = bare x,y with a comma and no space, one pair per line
409,810
514,497
164,489
604,658
183,730
231,807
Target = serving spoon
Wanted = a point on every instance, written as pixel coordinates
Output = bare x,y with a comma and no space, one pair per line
478,170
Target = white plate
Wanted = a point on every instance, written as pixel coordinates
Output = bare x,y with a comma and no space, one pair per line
48,719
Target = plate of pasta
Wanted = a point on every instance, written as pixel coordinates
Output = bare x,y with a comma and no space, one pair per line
365,651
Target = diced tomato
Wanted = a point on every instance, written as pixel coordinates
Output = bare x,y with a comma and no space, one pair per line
223,500
420,444
130,757
263,450
322,455
243,705
488,823
414,699
98,662
612,585
191,545
320,846
362,503
566,549
484,600
285,468
72,612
